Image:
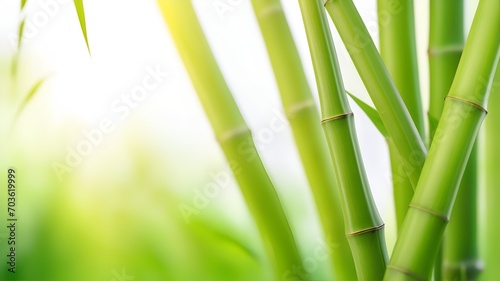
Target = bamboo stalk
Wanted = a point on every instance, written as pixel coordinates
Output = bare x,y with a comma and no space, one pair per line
363,224
382,90
401,185
445,49
398,50
446,43
463,113
492,162
460,247
232,133
303,117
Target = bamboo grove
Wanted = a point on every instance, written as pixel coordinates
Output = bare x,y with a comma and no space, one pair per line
434,155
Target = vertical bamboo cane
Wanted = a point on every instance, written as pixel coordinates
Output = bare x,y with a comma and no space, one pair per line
492,181
463,113
363,224
303,116
232,133
382,90
446,42
398,50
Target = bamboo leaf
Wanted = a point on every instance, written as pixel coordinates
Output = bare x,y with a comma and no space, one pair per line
23,3
372,115
20,33
29,97
81,17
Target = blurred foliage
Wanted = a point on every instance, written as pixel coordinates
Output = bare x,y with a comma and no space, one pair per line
110,219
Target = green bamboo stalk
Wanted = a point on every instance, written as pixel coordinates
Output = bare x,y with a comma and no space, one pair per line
463,113
382,90
446,42
232,133
364,227
401,185
491,164
460,247
398,50
303,117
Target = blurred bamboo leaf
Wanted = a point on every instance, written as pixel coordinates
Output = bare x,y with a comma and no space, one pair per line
81,17
28,97
372,115
21,33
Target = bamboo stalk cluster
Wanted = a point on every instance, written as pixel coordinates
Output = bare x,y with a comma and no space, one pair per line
435,174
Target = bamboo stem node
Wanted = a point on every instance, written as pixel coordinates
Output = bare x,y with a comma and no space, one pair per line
292,110
469,102
366,230
406,272
326,2
446,50
473,267
231,134
431,212
270,10
336,117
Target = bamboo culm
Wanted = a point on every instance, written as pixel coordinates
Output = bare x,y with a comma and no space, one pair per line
380,86
364,227
233,134
398,50
492,162
303,117
446,40
463,113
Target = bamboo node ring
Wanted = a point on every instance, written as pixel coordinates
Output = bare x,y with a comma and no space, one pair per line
366,230
340,116
469,102
431,212
233,133
406,272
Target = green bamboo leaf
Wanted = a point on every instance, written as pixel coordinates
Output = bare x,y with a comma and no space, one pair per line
29,97
372,115
20,33
23,3
81,17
